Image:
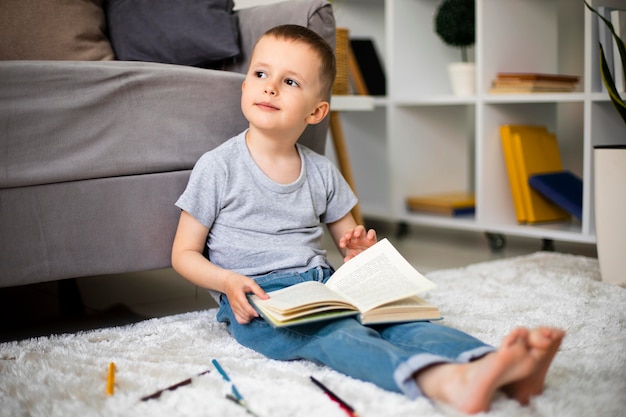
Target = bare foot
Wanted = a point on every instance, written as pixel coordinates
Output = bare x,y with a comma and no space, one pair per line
544,343
470,387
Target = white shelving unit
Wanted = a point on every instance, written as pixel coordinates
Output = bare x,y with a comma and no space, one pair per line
352,103
421,139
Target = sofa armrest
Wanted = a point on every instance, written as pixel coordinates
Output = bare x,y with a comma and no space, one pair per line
317,15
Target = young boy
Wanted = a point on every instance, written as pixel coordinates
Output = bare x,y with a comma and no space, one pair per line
260,200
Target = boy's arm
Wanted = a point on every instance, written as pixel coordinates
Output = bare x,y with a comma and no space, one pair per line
350,238
189,261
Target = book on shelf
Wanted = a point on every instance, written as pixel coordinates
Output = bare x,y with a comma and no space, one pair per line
377,286
618,20
524,89
563,188
449,204
529,150
513,171
517,83
537,152
369,65
537,76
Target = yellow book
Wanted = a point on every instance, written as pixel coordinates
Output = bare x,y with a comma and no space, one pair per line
536,153
451,204
515,180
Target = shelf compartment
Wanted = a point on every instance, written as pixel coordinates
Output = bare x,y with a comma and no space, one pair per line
365,139
529,36
494,193
418,64
432,153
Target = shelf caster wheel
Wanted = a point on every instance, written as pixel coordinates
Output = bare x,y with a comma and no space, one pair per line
496,241
547,245
402,230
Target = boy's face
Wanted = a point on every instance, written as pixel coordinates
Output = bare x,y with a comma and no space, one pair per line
282,89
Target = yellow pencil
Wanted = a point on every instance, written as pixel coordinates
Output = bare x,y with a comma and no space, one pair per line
111,379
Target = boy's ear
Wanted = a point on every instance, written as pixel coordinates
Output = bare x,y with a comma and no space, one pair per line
318,114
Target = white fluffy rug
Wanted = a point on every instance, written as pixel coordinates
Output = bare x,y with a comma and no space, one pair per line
65,375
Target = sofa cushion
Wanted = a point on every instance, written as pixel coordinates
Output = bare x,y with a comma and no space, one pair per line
53,30
186,32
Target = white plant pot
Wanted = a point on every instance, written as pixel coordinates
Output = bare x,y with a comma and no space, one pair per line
462,78
610,209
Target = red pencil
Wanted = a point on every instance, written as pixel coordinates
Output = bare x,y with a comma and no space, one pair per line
344,405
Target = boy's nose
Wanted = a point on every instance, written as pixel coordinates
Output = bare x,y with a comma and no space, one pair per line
269,89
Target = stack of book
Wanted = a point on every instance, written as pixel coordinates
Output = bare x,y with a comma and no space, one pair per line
448,204
542,191
517,83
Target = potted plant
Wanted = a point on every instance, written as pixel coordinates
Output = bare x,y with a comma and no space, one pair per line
455,25
609,174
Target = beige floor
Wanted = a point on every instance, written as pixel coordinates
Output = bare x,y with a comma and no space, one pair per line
120,299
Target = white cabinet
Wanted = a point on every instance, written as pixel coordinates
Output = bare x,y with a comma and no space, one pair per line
421,139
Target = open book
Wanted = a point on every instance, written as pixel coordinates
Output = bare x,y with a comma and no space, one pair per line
378,285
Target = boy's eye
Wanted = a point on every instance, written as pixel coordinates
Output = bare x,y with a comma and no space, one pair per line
260,74
291,83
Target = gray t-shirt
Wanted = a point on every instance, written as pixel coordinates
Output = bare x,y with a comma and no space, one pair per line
257,226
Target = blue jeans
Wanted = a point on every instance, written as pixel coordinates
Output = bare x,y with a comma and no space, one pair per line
386,355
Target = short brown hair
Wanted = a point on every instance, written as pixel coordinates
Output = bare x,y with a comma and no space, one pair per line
328,68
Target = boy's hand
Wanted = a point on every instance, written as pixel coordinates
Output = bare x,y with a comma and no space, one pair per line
236,287
356,240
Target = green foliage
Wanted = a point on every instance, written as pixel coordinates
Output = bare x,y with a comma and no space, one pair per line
455,24
605,71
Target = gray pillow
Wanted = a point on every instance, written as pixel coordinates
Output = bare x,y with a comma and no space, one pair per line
186,32
71,30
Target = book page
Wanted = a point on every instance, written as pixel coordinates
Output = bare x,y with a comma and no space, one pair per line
300,297
377,276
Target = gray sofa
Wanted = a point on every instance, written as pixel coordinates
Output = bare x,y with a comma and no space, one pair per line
93,154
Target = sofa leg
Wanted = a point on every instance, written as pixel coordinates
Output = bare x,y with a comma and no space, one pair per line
70,300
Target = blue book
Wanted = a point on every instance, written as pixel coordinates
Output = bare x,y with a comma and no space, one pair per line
563,188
